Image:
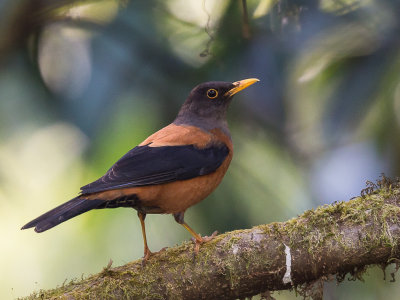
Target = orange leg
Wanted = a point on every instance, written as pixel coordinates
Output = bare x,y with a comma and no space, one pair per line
198,238
147,251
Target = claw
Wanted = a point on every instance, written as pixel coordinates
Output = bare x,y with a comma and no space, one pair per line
202,240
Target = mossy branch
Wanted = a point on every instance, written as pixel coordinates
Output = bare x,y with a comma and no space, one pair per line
332,239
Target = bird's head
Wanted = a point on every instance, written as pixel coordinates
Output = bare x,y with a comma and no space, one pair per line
208,102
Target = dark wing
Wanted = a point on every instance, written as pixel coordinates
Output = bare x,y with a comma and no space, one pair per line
144,165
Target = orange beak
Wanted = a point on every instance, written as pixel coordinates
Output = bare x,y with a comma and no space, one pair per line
240,85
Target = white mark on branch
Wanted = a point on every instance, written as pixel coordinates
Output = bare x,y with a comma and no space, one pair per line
288,277
257,236
235,249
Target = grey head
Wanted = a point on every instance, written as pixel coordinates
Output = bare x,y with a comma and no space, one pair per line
207,104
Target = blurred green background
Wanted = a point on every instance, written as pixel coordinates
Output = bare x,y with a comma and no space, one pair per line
82,82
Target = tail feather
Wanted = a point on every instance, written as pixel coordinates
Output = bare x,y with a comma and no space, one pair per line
62,213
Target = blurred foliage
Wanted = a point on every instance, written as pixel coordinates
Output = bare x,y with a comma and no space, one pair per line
82,82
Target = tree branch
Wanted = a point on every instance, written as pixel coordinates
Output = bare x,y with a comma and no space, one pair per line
332,239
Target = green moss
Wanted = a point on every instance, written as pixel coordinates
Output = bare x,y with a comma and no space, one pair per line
316,228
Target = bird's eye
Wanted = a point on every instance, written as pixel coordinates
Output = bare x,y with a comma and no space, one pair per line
212,93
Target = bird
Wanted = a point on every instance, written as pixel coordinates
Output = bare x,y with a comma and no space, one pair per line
170,171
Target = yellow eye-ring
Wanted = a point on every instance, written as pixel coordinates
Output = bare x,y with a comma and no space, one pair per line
212,93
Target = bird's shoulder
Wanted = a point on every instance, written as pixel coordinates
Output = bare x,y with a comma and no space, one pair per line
178,135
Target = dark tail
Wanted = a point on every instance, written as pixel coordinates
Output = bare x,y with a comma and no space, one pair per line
62,213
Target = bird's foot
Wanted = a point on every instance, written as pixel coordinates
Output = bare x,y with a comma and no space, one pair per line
202,240
147,254
209,238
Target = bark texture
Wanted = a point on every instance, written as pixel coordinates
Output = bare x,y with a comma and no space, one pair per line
330,240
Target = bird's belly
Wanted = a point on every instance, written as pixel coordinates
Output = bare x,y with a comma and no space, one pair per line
177,196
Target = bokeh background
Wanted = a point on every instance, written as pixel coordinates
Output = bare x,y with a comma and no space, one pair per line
82,82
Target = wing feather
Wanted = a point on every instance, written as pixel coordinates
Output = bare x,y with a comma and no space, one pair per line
146,165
